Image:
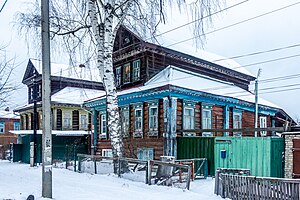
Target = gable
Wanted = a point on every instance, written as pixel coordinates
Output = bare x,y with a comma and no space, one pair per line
125,38
29,72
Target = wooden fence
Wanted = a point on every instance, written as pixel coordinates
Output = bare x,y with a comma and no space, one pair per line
156,172
251,187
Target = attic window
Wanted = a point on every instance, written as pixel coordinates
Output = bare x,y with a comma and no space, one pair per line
126,73
136,70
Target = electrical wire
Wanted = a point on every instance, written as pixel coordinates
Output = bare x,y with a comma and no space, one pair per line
234,24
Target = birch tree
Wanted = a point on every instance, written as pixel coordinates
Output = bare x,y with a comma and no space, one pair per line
91,26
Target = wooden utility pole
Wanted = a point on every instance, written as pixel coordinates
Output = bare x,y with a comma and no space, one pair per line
256,101
47,136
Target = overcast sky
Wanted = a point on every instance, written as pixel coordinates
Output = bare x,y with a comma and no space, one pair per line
276,30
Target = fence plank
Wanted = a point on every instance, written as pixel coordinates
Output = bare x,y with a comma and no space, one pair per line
249,187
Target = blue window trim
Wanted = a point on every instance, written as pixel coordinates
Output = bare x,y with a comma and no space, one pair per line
2,125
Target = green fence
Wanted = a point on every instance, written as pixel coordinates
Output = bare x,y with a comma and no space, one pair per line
63,148
262,155
197,147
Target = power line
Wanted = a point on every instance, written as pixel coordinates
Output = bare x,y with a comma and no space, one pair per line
3,5
267,61
259,52
186,24
234,24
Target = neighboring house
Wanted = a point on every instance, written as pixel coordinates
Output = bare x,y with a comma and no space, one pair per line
8,121
162,91
70,87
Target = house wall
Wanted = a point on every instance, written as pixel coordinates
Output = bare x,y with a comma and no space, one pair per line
7,138
29,113
288,156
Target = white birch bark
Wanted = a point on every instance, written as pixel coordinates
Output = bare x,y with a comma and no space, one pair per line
103,33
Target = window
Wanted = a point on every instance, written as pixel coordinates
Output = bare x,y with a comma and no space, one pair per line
138,125
237,122
125,121
83,121
126,73
153,118
263,124
118,76
107,152
103,126
138,121
188,118
2,127
136,70
145,153
16,125
30,93
39,90
67,120
206,121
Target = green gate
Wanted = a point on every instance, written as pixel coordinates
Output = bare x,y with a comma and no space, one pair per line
262,155
197,147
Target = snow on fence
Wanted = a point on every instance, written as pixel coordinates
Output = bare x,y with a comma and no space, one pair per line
230,185
151,172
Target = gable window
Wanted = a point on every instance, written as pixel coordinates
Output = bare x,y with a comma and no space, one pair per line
67,120
145,153
125,121
30,93
263,124
118,76
103,125
136,70
16,125
206,119
39,90
237,122
2,127
138,121
153,119
126,73
83,121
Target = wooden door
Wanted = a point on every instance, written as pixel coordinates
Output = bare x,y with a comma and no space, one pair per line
296,158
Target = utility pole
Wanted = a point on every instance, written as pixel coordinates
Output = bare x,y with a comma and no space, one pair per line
47,136
34,97
256,101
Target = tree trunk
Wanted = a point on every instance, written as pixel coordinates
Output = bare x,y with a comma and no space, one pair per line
105,40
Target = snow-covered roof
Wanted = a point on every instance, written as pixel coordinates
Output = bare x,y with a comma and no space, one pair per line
54,132
84,73
8,115
204,55
172,75
72,95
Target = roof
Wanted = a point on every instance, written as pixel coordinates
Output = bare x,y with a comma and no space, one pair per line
83,73
8,115
72,95
175,76
54,132
69,96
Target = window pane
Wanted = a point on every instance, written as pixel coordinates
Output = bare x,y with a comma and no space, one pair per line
136,70
138,120
2,127
126,73
153,119
118,76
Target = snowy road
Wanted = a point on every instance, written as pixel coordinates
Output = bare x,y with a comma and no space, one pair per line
17,181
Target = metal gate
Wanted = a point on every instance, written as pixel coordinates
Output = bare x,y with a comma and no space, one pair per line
296,158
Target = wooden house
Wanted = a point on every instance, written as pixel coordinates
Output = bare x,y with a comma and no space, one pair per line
70,87
162,91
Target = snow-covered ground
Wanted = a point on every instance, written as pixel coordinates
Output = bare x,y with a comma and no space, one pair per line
17,181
